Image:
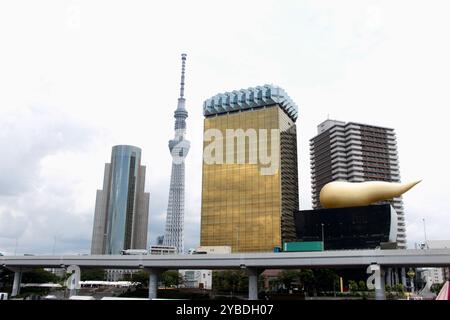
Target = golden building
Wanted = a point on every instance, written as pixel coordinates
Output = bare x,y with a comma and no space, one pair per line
250,179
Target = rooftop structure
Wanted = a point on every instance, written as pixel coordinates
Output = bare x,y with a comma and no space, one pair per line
249,99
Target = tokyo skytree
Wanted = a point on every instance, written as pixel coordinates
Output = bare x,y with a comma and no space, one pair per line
179,148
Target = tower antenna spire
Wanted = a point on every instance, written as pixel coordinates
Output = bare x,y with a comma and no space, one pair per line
183,64
179,148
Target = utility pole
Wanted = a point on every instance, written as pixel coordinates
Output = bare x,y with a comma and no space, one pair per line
425,233
15,248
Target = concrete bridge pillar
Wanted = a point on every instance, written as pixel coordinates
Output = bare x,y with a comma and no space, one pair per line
153,283
16,283
380,293
389,277
253,274
403,277
396,279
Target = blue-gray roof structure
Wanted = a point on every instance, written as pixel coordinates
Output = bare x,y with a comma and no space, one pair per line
251,98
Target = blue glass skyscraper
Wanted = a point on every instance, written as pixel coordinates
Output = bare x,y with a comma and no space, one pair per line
121,210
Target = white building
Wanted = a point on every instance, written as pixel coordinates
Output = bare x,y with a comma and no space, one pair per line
440,244
119,274
433,275
212,250
201,279
162,250
59,272
430,277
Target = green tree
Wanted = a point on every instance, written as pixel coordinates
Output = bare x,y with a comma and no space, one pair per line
230,281
287,277
171,278
141,276
232,278
217,280
388,289
399,288
307,278
6,278
353,286
93,274
325,280
274,284
362,285
242,281
436,287
39,276
262,281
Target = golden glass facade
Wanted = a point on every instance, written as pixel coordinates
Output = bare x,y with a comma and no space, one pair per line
241,207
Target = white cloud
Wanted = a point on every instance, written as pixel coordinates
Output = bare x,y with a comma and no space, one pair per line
13,223
43,187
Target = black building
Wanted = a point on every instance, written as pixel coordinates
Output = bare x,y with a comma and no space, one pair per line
365,227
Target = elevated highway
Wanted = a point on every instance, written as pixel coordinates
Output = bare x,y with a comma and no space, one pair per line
254,263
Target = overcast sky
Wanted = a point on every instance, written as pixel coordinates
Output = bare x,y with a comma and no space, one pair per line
77,77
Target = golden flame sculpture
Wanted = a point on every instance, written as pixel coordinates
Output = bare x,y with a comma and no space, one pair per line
340,194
